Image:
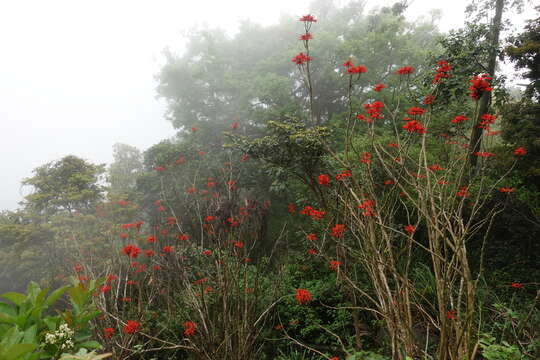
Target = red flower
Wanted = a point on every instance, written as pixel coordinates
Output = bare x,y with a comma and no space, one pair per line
484,154
410,229
366,158
168,249
442,71
479,85
520,151
517,285
131,250
207,252
308,18
194,129
301,59
244,157
356,69
234,125
388,182
414,126
463,192
190,328
312,251
416,111
338,230
105,289
131,327
108,333
191,190
459,119
435,167
405,70
238,244
506,190
311,237
151,239
343,175
209,218
183,237
111,278
451,314
378,87
124,235
181,160
334,264
291,208
429,99
368,206
487,120
149,253
393,145
78,268
303,296
374,110
348,63
306,37
324,180
159,168
334,358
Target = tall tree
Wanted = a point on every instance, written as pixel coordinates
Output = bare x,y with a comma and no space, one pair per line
122,173
68,185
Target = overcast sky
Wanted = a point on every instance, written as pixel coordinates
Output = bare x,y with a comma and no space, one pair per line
77,76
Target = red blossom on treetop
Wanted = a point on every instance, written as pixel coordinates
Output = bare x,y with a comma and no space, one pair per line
301,59
356,69
168,249
374,110
348,63
306,37
303,296
442,71
334,264
311,237
405,70
308,18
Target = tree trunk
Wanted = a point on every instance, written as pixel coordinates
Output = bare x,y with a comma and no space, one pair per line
485,100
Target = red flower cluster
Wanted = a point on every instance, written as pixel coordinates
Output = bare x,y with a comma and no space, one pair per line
315,214
303,296
435,167
479,85
306,37
520,151
484,154
167,249
378,87
338,230
506,190
324,180
410,229
442,71
428,99
159,168
356,69
405,70
131,327
334,264
414,126
416,111
308,18
366,158
374,110
487,120
190,328
108,333
312,252
343,175
311,237
517,285
291,208
463,192
131,250
459,119
367,206
301,59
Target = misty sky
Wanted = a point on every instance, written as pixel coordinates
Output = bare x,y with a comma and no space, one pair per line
78,76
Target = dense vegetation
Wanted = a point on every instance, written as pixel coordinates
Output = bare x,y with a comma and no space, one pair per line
339,206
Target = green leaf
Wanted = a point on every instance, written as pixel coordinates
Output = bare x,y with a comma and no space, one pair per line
16,298
30,334
55,295
16,351
90,345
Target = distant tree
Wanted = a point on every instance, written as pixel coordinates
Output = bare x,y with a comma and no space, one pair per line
122,173
69,185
